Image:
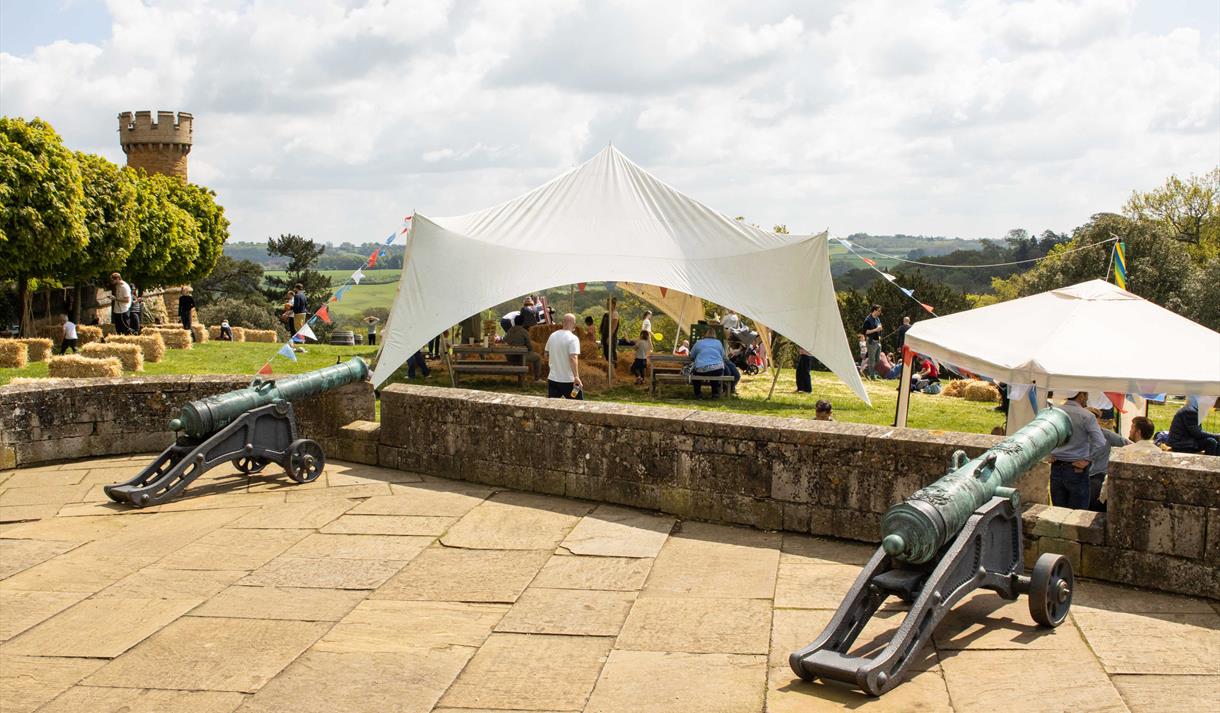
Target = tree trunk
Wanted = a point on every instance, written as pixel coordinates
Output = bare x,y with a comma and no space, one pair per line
23,298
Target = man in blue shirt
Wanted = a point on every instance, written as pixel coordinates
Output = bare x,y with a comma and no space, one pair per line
1187,436
872,332
707,358
1070,462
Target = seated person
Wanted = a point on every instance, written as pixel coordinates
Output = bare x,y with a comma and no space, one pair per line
823,410
684,349
884,365
707,357
1141,433
731,369
928,375
519,336
1187,436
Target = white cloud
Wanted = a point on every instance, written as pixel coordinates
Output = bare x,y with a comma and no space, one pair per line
968,118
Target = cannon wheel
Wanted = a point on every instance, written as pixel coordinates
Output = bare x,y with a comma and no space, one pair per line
305,461
249,465
1050,589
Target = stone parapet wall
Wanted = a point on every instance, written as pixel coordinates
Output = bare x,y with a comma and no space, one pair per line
823,478
79,418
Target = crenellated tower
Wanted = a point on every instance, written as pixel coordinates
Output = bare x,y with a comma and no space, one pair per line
159,147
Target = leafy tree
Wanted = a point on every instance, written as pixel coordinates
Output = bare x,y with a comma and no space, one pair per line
234,279
169,237
110,218
242,313
854,306
209,217
302,254
1189,209
42,205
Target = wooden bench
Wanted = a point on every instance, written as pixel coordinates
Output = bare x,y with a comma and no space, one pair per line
480,364
671,377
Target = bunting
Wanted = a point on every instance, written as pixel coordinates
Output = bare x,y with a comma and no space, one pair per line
1120,265
1117,400
373,257
889,278
358,275
307,333
266,370
287,351
323,314
341,291
664,291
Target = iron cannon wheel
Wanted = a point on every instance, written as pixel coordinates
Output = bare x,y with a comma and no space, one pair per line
1050,589
250,465
305,460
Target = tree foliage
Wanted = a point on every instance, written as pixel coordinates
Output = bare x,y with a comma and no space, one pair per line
1189,209
854,305
212,226
169,237
110,218
42,201
302,254
234,279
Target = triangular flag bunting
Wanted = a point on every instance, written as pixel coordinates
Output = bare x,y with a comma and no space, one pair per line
286,350
307,333
908,293
1033,399
297,338
927,307
581,286
333,299
341,291
1117,399
266,370
888,276
390,239
664,291
373,257
357,276
870,262
409,217
323,314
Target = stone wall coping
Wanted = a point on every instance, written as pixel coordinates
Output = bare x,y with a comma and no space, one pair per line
133,382
1194,463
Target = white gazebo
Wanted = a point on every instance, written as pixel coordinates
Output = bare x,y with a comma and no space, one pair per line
1091,337
608,220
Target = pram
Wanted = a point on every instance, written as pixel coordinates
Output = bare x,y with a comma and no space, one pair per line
743,350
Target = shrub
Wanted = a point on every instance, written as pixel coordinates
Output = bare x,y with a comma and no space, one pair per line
13,354
131,356
151,342
251,313
73,366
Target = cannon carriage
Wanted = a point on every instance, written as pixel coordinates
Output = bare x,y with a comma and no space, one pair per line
250,428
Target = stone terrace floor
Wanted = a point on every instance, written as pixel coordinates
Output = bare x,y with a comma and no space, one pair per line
378,590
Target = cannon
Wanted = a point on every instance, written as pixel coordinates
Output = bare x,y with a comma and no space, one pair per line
251,428
961,533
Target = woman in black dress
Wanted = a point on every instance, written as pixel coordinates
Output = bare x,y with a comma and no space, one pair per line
186,306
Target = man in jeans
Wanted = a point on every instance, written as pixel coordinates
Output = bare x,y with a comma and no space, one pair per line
120,306
872,332
1070,462
563,357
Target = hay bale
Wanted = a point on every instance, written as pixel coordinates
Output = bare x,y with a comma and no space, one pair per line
150,342
13,354
981,391
38,349
74,366
954,388
131,356
258,335
201,333
175,337
239,333
87,333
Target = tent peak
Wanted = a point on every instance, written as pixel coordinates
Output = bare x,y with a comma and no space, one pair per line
1095,290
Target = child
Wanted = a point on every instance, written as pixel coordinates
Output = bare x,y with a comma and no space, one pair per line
69,341
590,332
646,325
643,347
683,350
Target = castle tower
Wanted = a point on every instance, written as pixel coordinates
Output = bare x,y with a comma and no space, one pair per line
159,147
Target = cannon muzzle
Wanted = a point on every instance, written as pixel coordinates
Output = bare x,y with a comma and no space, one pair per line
208,415
915,529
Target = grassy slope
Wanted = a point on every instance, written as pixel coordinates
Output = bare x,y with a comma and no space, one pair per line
931,412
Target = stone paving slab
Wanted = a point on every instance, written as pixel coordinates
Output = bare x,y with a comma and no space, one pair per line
211,654
256,594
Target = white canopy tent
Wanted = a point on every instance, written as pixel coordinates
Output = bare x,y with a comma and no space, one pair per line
609,220
1091,337
684,310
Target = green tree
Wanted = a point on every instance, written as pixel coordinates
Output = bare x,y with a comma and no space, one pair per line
169,237
42,205
855,305
110,218
209,217
1189,209
232,279
302,254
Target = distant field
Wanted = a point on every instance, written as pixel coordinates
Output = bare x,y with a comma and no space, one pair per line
340,276
375,290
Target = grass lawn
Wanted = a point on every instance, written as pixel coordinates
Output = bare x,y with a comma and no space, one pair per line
941,413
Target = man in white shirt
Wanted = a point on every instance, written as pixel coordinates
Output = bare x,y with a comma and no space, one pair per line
646,325
121,304
1141,433
563,353
69,340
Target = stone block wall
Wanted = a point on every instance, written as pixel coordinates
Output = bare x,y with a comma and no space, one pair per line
823,478
80,418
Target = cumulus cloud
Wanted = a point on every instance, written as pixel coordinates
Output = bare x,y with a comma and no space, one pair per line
333,118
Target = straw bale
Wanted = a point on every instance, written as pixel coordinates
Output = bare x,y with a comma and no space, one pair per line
130,355
982,391
74,366
201,333
954,387
38,349
87,333
259,335
175,337
151,342
13,354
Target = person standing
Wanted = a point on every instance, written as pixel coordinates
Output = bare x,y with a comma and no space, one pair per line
902,333
120,304
1187,436
872,333
298,311
646,324
69,340
609,331
186,308
804,365
643,347
563,356
1070,462
135,316
1099,466
372,321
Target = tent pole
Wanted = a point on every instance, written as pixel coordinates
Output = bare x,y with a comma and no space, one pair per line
612,348
904,389
774,364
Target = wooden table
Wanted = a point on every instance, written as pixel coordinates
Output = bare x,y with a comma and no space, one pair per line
482,360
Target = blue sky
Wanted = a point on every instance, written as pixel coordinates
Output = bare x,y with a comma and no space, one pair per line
333,118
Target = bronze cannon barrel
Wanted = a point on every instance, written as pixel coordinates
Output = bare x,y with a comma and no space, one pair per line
915,529
208,415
